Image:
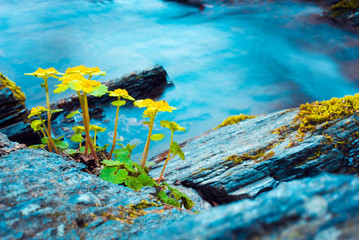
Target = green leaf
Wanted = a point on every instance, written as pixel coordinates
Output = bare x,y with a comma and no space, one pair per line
75,85
113,174
42,85
59,138
72,114
77,138
173,126
101,73
157,137
55,110
173,202
133,183
146,180
176,149
104,147
61,144
82,149
96,128
37,146
163,196
121,153
118,103
36,125
44,140
139,168
146,123
71,151
111,163
61,88
99,91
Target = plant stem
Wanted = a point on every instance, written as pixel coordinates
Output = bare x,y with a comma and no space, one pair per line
167,160
48,135
84,117
87,128
48,143
94,139
147,146
114,134
48,107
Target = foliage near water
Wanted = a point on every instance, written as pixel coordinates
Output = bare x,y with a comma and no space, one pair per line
120,169
344,7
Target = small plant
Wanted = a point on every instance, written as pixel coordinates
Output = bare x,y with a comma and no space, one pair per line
121,169
119,93
152,109
75,80
36,125
175,149
45,74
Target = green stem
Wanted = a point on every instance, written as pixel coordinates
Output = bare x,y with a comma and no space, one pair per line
84,117
48,143
87,128
167,160
48,135
147,146
48,107
114,134
94,139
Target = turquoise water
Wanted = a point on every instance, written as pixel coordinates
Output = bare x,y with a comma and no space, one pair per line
228,59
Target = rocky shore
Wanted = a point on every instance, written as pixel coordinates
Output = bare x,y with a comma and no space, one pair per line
269,177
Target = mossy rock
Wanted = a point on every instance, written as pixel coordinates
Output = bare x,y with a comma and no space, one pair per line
6,83
344,7
235,119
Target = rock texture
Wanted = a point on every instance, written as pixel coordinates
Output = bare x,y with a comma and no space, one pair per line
323,207
345,11
268,153
44,196
13,113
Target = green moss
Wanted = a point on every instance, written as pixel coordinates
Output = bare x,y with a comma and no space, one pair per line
344,7
257,155
234,119
201,170
5,82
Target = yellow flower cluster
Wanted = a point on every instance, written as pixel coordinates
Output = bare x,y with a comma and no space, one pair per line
44,73
37,110
121,93
83,70
153,106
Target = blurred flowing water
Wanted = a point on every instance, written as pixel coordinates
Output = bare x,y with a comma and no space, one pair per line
255,57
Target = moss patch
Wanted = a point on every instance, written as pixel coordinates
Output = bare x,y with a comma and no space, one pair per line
5,82
257,155
235,119
344,7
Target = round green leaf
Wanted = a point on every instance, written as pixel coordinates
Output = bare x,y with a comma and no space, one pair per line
72,114
157,137
112,174
77,138
118,103
99,91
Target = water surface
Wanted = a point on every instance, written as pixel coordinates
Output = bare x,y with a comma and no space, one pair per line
249,58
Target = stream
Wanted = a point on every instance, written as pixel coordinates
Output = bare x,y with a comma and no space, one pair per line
253,58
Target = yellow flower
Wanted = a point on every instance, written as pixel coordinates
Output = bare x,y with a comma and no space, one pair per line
37,110
85,70
67,78
44,73
121,93
153,107
79,129
85,85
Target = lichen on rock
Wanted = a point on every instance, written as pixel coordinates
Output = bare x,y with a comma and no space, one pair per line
5,82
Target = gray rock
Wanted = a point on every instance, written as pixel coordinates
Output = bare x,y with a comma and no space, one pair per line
323,207
44,196
219,180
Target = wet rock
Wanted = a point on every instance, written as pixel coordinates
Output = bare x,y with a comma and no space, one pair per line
345,12
13,113
244,160
323,207
44,195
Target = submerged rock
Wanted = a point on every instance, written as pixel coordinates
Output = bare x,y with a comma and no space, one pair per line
244,160
323,207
